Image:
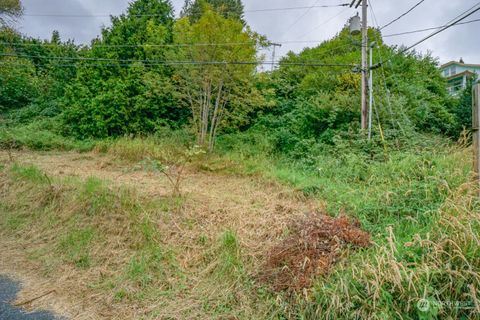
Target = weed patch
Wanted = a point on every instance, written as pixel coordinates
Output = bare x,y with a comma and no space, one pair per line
29,173
231,262
75,247
39,135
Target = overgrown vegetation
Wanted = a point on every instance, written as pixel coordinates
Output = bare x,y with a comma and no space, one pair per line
415,205
146,97
134,80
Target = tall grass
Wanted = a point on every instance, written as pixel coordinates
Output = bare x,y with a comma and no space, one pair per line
164,146
423,217
39,135
436,275
415,200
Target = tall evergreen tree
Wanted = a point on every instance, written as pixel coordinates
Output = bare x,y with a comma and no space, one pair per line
228,8
130,30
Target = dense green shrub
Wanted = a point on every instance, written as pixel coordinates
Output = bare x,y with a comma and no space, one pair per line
40,135
122,97
296,106
410,93
18,83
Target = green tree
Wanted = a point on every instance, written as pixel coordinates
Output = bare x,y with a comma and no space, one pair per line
129,34
463,108
18,83
220,95
118,96
410,93
10,10
39,77
194,9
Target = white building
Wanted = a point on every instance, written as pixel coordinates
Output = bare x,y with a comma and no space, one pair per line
458,73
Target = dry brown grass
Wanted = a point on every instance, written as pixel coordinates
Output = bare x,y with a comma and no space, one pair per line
187,231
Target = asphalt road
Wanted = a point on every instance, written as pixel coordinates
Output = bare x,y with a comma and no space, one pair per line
8,294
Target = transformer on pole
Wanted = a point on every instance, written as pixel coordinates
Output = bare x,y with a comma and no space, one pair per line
355,25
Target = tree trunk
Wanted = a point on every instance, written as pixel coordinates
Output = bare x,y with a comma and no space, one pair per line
213,122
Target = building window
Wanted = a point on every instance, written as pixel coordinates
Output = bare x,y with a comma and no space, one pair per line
446,72
453,70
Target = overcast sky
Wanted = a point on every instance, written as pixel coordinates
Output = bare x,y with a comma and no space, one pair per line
316,24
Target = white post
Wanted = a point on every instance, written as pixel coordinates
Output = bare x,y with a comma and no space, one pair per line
364,122
370,102
275,45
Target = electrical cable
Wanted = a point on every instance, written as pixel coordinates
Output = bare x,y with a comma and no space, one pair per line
301,17
451,23
128,62
428,29
323,23
402,15
384,77
468,14
59,15
148,45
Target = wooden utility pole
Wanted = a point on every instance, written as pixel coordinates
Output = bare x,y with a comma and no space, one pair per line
364,65
275,45
476,132
365,69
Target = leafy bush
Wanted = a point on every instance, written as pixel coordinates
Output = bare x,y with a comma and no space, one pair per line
410,93
123,97
40,135
134,102
18,85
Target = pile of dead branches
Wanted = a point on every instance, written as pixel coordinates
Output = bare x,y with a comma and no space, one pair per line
312,248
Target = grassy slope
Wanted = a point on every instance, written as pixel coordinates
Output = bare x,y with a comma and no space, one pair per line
422,215
137,251
109,239
424,218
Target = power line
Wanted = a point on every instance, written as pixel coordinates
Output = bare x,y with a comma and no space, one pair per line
461,18
428,29
301,16
148,45
195,63
451,23
148,61
324,23
173,45
129,62
403,15
158,15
